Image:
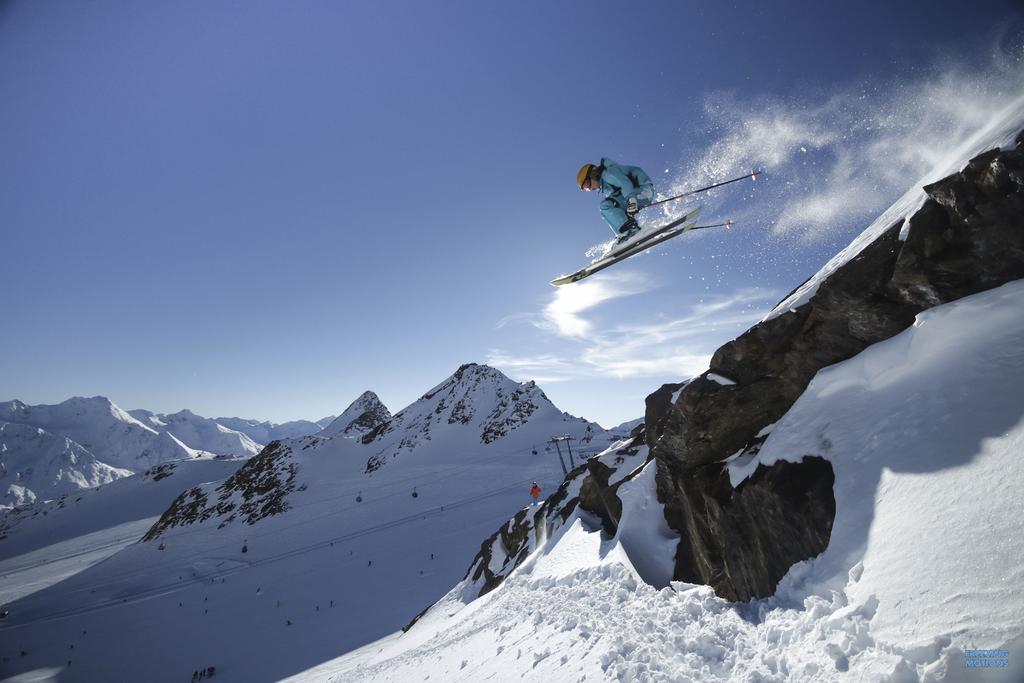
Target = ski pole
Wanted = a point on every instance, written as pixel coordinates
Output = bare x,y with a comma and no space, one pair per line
752,175
727,224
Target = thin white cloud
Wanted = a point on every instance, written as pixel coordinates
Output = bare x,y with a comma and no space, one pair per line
541,368
679,347
564,312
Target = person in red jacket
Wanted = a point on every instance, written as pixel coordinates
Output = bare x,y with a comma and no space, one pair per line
535,493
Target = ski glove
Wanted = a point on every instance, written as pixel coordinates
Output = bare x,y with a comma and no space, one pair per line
631,206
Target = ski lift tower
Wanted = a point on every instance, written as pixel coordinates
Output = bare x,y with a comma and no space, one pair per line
557,440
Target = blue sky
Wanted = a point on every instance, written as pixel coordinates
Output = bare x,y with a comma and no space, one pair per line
262,209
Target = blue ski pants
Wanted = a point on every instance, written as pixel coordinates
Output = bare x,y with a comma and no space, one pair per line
613,209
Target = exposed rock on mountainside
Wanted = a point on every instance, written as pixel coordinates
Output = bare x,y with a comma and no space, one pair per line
591,487
256,490
967,237
365,413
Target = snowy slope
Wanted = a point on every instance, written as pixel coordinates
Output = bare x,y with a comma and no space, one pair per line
200,433
334,557
38,465
923,428
364,414
927,426
47,542
112,435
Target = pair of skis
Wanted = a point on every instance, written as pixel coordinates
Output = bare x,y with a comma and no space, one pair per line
650,238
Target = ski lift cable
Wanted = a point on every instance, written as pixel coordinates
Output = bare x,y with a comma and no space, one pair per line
205,553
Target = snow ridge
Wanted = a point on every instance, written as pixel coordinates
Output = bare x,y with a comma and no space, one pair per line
200,433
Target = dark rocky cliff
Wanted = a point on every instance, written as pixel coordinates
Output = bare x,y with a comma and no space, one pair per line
966,238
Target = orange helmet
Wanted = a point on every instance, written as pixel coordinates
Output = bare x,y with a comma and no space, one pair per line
581,177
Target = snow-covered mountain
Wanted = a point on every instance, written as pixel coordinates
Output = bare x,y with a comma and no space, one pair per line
473,408
87,442
35,464
365,413
108,432
200,433
473,414
264,432
302,538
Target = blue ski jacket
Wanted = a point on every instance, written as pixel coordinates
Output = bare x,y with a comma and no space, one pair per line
618,184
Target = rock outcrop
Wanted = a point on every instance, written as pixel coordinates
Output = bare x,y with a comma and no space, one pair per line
967,237
256,490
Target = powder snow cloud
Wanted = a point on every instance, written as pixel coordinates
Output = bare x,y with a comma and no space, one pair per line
836,157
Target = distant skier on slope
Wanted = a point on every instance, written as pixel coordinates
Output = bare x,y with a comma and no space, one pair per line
535,493
626,190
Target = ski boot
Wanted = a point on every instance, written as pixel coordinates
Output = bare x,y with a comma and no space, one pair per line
628,229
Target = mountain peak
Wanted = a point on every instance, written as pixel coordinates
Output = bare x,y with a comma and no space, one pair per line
78,407
362,415
476,405
87,402
468,373
478,370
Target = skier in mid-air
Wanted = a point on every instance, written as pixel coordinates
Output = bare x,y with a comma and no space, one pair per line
534,493
626,190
